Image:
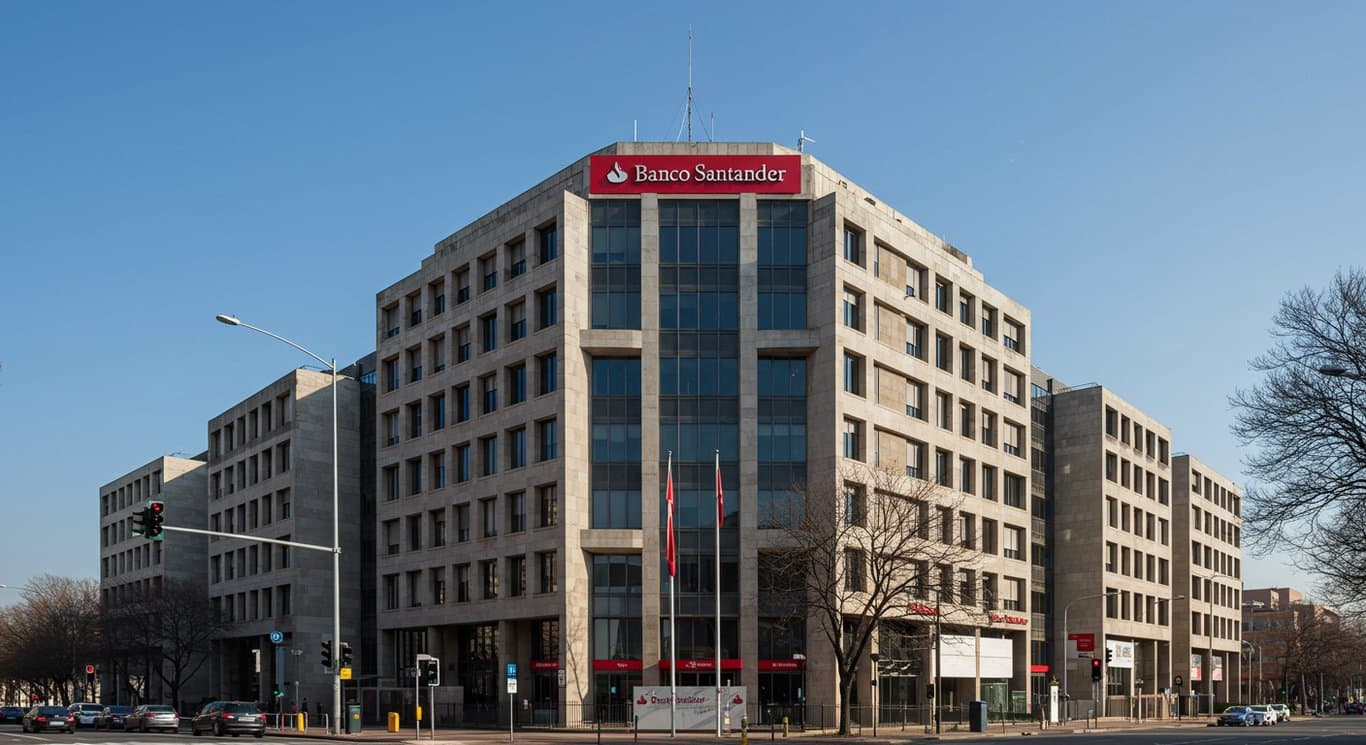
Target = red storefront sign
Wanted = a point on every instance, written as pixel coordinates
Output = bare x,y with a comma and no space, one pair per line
922,609
1007,618
780,666
617,665
695,174
545,665
726,664
1038,668
1085,642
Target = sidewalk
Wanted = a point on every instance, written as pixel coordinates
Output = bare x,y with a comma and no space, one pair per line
620,736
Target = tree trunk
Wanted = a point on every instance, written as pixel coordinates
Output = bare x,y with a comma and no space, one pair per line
846,688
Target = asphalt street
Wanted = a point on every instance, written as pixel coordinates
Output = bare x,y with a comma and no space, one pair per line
1342,730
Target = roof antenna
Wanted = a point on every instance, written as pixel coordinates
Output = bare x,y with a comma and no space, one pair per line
802,139
689,114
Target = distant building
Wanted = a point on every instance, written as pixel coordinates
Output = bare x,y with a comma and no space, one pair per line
132,567
269,474
1273,617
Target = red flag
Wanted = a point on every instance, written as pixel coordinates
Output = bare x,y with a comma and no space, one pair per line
720,495
669,497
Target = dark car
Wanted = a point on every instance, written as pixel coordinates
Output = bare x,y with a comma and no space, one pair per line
112,717
229,718
11,715
87,715
152,716
41,718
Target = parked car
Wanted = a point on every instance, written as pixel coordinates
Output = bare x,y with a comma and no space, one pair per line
1236,716
41,718
1282,712
1356,707
1265,714
113,716
11,715
229,718
152,716
87,715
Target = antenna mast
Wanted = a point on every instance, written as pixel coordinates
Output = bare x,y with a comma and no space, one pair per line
689,114
802,139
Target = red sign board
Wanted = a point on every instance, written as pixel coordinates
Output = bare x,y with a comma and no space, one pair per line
545,664
1038,668
922,609
1085,642
726,664
778,666
695,174
1007,618
611,665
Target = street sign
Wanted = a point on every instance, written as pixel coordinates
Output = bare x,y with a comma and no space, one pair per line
512,686
512,669
277,637
345,673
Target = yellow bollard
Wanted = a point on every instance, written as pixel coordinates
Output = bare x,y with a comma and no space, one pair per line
393,721
419,714
299,722
784,726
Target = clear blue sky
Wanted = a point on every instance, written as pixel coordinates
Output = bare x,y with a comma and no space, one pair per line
1148,178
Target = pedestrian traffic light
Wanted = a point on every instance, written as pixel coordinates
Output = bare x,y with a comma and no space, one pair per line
431,673
1095,670
929,690
327,654
345,654
155,517
275,692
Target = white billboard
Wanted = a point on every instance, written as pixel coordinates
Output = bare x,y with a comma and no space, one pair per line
696,707
1121,653
959,657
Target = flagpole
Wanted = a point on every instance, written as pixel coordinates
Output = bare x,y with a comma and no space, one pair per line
673,638
720,515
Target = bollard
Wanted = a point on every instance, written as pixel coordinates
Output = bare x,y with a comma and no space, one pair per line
784,725
599,718
635,729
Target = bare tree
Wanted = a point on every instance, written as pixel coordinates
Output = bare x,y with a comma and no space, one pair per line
1310,432
47,639
861,547
171,628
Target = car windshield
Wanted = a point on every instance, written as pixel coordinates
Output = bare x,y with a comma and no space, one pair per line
160,709
1235,710
240,708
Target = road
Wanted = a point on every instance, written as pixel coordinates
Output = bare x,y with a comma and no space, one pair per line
1341,730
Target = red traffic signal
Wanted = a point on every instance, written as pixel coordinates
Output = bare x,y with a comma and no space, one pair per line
89,669
1095,670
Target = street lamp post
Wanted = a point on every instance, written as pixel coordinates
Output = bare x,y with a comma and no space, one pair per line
1251,648
873,656
1066,663
334,726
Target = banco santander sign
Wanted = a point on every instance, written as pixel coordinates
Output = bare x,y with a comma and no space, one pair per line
695,174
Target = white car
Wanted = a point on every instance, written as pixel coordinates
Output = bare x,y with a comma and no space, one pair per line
1282,712
87,715
1265,715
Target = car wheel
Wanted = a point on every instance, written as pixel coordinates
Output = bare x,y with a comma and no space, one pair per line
259,735
142,726
218,729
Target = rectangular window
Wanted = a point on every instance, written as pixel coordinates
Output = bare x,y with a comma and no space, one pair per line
488,270
517,447
488,394
547,308
516,257
547,442
488,570
1014,490
547,243
943,294
516,512
463,470
943,467
853,374
462,286
1012,542
853,439
853,309
462,583
915,339
489,509
548,505
462,344
516,375
615,263
547,372
516,576
488,455
488,332
853,570
989,483
516,320
967,368
462,523
943,352
853,245
437,404
967,308
915,399
549,583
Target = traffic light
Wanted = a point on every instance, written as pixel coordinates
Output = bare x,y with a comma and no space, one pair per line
929,690
431,672
90,675
152,522
1107,656
1095,670
345,654
275,692
140,522
327,654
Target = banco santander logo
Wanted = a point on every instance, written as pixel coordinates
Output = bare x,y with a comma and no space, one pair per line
695,174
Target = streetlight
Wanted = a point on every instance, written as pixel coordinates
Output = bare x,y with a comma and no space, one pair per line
1254,646
335,723
1066,662
873,657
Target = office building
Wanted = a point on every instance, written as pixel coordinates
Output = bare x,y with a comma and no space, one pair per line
134,570
538,368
